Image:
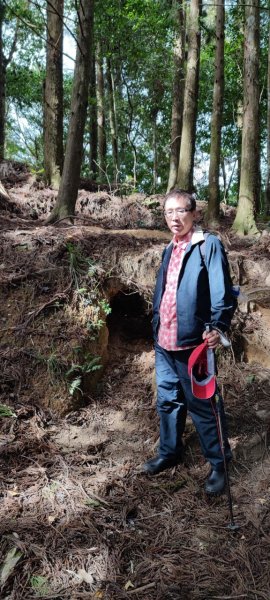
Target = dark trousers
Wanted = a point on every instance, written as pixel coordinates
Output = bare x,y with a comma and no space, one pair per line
175,399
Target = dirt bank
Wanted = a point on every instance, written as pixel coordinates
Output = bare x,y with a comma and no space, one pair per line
79,517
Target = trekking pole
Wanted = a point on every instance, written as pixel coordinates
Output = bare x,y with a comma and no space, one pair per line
232,525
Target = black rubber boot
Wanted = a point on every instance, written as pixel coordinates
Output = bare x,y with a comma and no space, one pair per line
157,464
215,483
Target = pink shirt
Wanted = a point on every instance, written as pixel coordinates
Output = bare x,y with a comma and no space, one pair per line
167,335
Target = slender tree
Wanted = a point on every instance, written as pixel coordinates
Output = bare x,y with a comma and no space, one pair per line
53,94
187,148
112,116
136,66
177,92
3,85
66,200
102,146
216,120
244,222
155,98
267,186
93,120
4,62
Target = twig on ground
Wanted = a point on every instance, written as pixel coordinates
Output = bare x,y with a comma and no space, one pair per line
77,217
142,588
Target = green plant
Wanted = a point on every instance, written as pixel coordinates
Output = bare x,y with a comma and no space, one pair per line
79,265
50,490
38,171
75,386
82,268
105,307
101,310
54,366
5,411
151,203
91,364
40,585
94,327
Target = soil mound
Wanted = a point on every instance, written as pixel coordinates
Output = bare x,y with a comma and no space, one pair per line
79,519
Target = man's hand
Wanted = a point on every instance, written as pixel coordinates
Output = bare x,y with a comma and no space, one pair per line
212,338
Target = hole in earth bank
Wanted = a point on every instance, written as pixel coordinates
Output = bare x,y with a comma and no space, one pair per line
129,320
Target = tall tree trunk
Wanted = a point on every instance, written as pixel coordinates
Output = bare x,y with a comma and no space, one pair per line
216,120
155,161
112,116
53,95
224,176
244,222
177,92
101,114
93,121
240,113
66,200
4,62
2,85
267,186
118,95
239,19
155,99
187,148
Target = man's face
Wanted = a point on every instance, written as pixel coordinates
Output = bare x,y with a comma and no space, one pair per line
179,223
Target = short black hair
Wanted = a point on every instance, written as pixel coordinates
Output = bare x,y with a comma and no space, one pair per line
188,196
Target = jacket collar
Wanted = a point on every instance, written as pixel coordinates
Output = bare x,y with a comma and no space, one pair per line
197,236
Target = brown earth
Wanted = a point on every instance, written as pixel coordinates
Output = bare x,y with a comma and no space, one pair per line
77,512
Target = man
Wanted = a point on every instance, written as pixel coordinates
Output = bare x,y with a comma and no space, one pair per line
193,289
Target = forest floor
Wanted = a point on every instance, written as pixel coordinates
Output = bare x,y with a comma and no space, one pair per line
78,517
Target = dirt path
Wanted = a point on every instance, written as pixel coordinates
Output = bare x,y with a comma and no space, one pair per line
89,524
78,518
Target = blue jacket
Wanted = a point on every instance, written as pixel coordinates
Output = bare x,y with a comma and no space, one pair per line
204,290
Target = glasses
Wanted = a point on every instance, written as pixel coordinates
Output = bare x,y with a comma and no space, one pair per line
178,211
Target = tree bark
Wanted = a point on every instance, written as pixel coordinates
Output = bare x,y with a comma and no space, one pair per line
4,62
93,121
267,185
112,117
240,112
216,120
244,222
177,92
66,200
187,148
53,95
101,114
155,158
2,85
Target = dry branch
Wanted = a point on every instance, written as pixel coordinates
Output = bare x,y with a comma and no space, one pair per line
3,193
